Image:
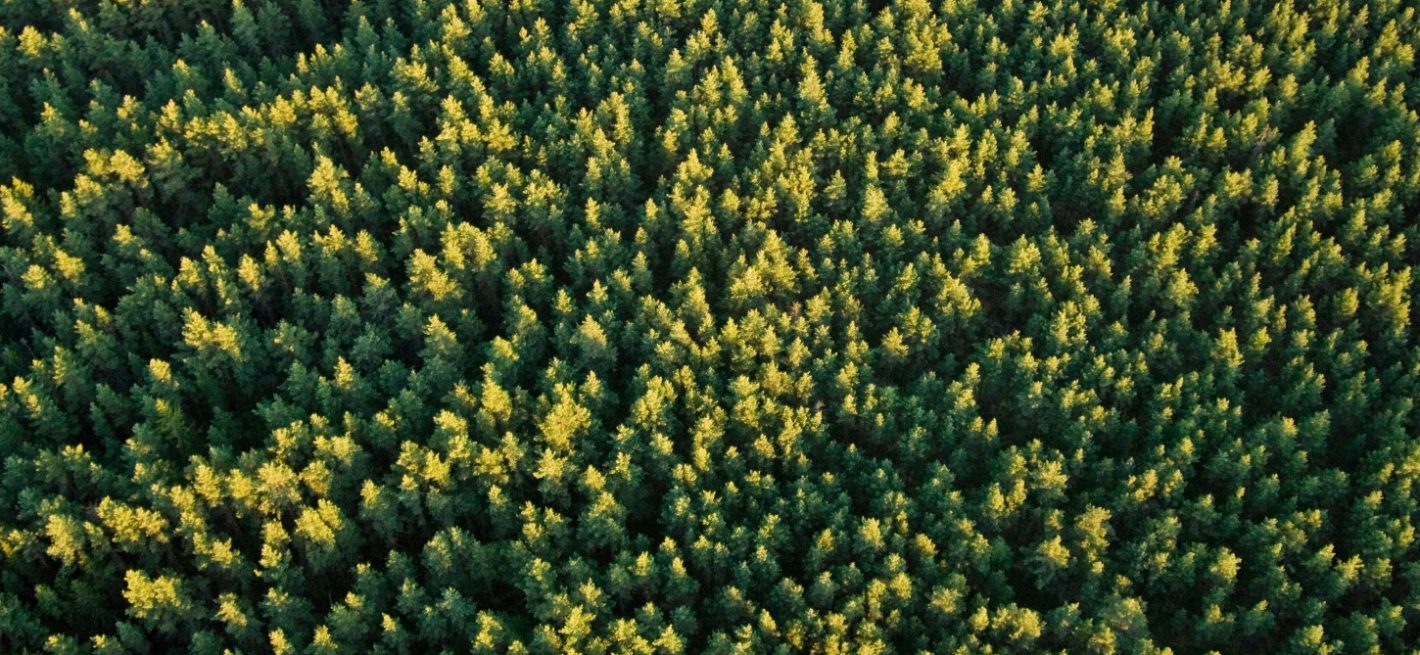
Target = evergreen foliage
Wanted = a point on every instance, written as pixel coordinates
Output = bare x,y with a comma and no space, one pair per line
709,326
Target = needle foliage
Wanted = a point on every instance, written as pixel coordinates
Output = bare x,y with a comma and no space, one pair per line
709,326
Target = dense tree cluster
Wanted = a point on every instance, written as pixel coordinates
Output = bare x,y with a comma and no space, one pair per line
681,326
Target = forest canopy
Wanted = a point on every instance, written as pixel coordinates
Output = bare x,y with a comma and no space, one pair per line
709,326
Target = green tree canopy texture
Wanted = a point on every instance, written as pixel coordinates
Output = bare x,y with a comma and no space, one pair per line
709,326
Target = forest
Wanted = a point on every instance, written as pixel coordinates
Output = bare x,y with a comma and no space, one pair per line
853,327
